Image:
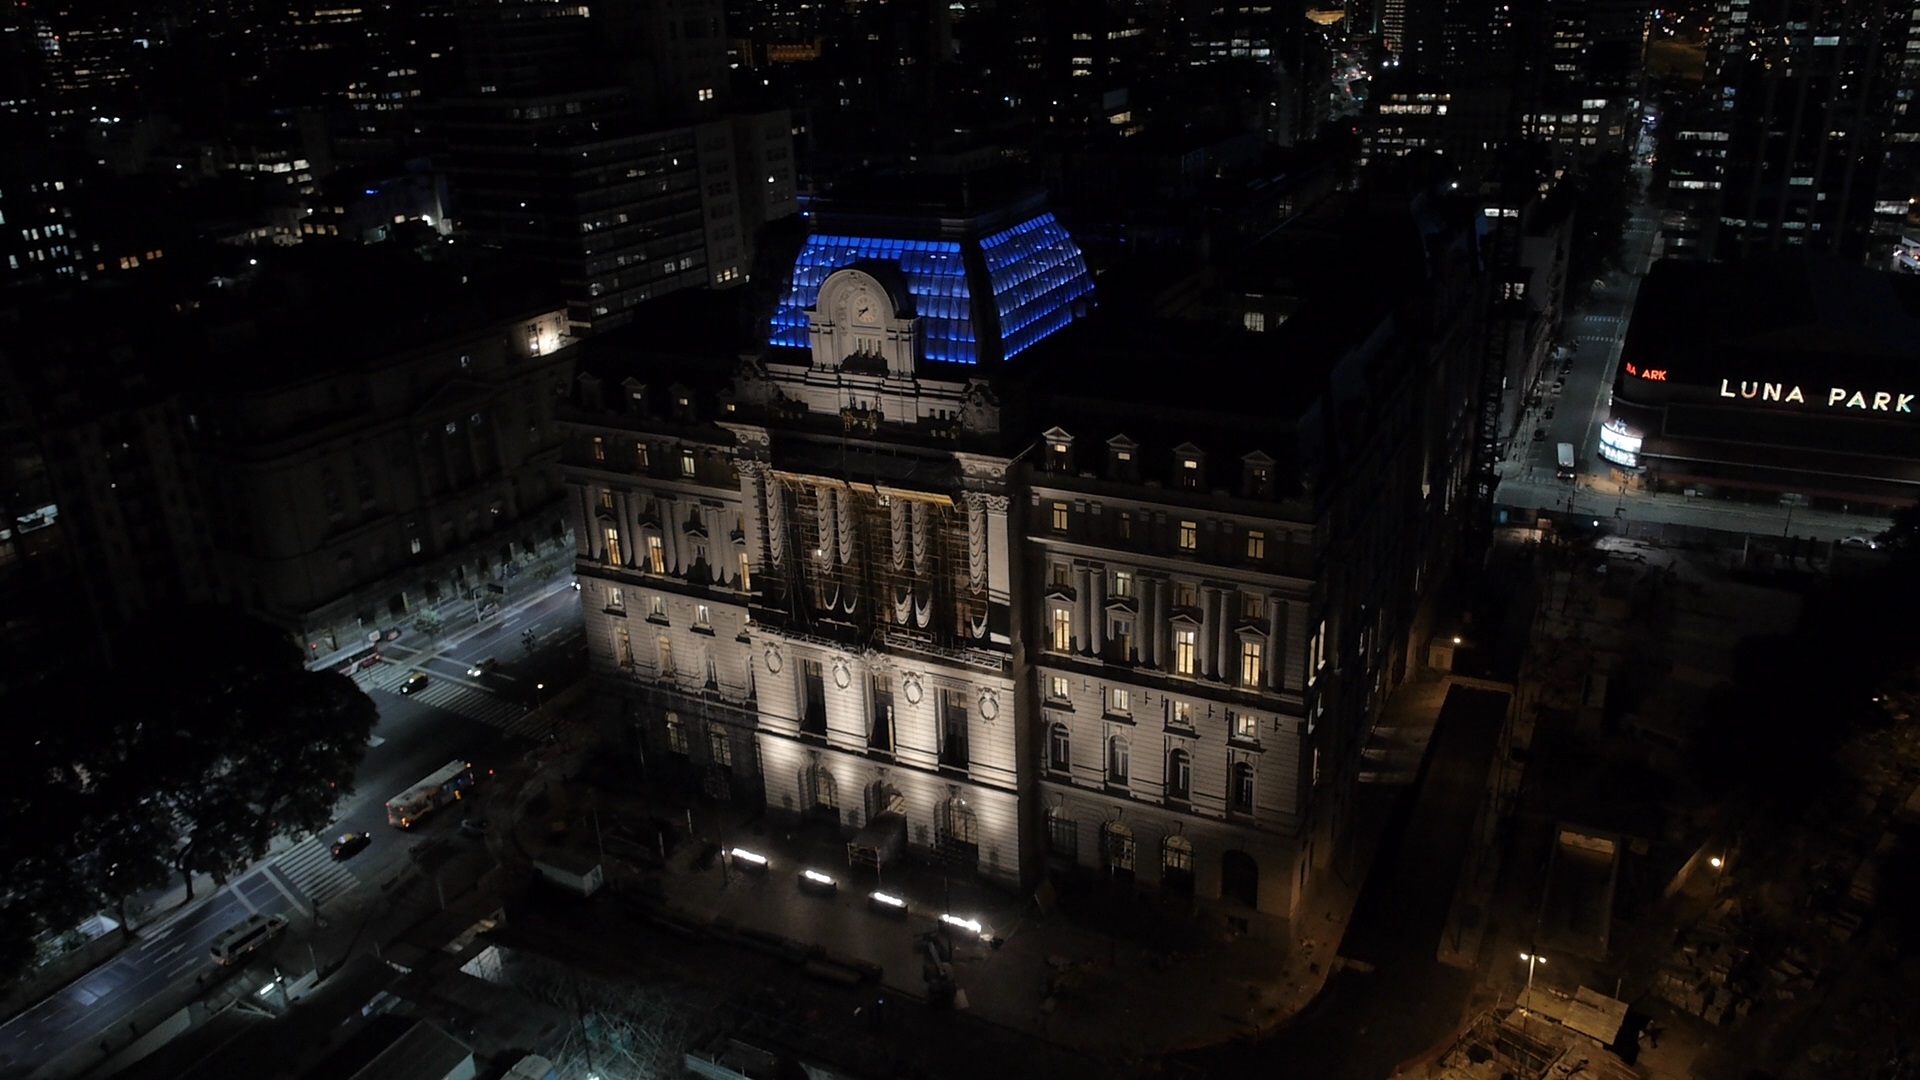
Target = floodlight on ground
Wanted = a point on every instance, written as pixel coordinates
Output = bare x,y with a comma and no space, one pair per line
815,881
886,903
751,859
971,926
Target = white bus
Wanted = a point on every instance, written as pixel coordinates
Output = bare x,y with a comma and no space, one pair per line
448,784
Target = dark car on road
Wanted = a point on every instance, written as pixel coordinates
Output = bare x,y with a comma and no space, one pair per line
347,845
415,681
488,666
475,826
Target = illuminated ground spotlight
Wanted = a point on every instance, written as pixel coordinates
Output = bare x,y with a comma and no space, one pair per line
816,882
748,860
971,926
886,903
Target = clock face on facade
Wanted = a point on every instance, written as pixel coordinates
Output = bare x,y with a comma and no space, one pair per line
866,309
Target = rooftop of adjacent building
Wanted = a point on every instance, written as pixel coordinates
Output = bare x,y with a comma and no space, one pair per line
1782,315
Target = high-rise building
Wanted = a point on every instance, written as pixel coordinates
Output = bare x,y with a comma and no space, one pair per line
1787,144
617,194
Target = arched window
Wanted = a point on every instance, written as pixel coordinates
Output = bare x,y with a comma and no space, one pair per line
1179,775
1116,843
1059,749
1117,760
1176,863
1241,793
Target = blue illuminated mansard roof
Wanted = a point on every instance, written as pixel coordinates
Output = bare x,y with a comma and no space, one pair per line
1033,271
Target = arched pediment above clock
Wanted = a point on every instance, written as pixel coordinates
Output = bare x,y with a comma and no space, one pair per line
864,320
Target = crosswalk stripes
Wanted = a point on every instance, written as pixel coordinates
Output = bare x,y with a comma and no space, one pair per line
478,705
311,867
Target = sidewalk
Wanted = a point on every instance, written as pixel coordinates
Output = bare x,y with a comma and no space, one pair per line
1123,976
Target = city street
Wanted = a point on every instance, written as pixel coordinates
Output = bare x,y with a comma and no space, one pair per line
1611,498
1391,998
168,965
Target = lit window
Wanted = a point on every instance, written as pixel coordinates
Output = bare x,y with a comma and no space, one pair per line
1119,701
613,546
1256,544
746,574
656,555
656,607
1256,321
1062,630
1057,688
599,445
606,498
1183,650
616,600
1122,584
1250,666
1189,535
640,455
1181,714
1059,517
686,463
1246,726
702,615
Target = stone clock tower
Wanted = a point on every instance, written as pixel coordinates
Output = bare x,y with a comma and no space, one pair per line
864,319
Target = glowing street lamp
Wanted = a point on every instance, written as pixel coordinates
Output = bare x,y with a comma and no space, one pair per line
1532,959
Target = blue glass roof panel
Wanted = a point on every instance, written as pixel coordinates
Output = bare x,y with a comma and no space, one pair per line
936,276
1039,281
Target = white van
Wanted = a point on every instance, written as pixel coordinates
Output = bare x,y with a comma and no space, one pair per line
247,938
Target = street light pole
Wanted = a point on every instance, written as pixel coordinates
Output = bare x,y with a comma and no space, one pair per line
1532,959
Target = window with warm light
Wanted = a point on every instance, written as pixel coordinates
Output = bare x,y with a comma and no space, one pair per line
613,546
687,467
1059,517
656,555
1183,651
599,448
1189,535
1251,672
1256,544
1062,630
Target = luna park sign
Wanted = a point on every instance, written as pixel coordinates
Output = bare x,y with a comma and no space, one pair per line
1836,397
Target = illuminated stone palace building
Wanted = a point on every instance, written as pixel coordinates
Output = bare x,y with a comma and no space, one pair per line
911,553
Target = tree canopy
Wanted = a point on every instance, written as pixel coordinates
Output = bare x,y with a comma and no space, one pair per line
188,757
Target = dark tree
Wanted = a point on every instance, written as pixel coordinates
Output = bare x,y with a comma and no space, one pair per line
83,831
244,742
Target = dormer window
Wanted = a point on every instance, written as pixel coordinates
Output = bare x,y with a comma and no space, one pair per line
1189,467
1122,459
1059,451
636,396
683,404
1256,476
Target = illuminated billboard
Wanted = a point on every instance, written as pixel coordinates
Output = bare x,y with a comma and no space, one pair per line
1620,444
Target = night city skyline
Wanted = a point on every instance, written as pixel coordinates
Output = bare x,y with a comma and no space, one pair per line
889,538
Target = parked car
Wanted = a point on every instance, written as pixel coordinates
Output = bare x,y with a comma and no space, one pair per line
415,681
485,667
1859,541
475,826
347,845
